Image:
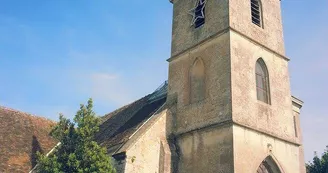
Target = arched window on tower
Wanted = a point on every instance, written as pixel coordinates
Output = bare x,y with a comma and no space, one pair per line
256,10
262,81
197,81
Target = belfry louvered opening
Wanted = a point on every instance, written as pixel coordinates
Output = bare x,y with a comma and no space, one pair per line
256,12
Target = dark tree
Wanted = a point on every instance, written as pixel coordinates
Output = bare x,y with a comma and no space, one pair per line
77,152
319,164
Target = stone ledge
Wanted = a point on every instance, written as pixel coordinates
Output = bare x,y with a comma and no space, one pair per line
231,123
297,104
220,33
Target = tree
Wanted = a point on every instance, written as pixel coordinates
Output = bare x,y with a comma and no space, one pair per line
319,165
77,152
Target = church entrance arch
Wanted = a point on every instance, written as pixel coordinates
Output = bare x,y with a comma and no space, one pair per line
268,165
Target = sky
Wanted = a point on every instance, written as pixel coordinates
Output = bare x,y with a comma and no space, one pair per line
55,55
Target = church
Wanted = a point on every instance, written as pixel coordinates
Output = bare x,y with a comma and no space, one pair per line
227,105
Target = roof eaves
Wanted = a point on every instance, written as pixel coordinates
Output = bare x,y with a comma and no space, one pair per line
124,147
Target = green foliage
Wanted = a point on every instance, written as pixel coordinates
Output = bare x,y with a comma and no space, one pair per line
319,165
78,152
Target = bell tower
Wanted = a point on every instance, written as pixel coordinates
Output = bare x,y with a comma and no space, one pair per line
229,90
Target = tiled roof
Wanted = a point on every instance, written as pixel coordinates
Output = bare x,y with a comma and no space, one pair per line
118,126
21,136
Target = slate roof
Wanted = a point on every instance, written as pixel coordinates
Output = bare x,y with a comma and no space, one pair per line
117,127
21,136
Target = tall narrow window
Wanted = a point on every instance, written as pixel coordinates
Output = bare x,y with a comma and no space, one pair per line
262,81
256,10
295,127
197,81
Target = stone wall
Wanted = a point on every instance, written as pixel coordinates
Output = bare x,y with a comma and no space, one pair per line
271,35
251,148
208,150
260,123
216,106
297,105
184,35
275,118
220,15
150,153
229,45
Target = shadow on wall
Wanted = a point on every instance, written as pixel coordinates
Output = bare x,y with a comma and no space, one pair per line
36,147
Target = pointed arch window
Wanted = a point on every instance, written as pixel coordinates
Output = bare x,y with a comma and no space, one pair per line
197,81
262,81
256,10
268,165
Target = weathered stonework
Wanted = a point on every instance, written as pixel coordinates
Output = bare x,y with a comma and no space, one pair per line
297,105
229,45
148,150
216,107
251,147
271,35
206,150
184,35
275,118
207,119
212,121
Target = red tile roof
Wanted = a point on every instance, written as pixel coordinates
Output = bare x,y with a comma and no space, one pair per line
21,136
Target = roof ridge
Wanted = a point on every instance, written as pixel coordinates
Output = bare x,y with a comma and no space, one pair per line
157,111
150,95
124,106
24,113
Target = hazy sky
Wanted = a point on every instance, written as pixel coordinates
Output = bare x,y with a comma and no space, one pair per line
54,55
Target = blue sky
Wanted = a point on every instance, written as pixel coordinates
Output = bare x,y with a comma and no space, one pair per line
54,55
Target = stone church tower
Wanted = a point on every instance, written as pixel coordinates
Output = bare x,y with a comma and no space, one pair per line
229,90
227,106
